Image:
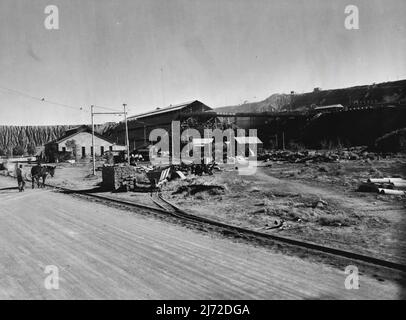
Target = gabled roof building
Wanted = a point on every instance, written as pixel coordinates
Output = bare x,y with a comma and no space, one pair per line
140,126
81,138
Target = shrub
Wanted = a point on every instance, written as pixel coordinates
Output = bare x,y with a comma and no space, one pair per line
334,221
18,150
31,150
71,144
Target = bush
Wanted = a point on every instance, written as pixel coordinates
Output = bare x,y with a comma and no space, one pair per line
71,144
18,151
31,150
334,221
109,157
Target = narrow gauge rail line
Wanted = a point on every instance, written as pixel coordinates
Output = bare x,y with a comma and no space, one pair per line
183,215
294,242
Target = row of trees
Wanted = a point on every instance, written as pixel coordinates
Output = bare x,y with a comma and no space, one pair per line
23,140
20,140
18,150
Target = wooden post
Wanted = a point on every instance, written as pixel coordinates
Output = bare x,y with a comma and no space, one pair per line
277,146
93,153
283,140
126,134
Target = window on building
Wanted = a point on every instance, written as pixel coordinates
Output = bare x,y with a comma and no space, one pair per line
101,150
83,152
63,149
91,151
111,148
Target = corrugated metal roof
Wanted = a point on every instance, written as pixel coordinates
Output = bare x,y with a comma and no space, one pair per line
71,133
329,106
248,140
162,110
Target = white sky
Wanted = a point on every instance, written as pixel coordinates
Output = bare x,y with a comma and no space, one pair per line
154,53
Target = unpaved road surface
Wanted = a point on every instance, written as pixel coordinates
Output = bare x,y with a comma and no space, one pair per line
107,253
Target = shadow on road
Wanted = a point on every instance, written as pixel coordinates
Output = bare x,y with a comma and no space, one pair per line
92,190
9,188
102,190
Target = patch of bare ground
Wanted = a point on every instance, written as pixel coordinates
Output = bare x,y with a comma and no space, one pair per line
315,204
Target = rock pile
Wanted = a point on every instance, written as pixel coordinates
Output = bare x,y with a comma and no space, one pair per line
297,157
119,176
319,156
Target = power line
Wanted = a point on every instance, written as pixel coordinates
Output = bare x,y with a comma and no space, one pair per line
20,93
106,108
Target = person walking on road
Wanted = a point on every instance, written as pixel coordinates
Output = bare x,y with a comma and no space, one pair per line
20,178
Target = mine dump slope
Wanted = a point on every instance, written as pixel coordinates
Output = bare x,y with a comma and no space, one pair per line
386,92
35,136
273,103
102,252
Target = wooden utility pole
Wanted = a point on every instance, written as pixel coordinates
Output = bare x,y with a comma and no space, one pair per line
283,140
126,134
93,153
276,137
127,142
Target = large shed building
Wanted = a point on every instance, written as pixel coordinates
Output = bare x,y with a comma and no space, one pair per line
140,126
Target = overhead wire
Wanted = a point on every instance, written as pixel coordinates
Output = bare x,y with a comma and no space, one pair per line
42,99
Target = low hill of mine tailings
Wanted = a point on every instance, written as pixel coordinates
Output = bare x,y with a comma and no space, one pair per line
377,93
30,137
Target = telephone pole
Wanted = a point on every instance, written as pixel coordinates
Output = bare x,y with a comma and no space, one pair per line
283,140
126,134
93,153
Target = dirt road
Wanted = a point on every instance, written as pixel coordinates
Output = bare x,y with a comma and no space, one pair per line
107,253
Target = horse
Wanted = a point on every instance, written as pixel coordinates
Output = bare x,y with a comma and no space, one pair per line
39,171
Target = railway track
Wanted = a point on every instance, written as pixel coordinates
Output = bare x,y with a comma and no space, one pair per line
168,208
294,242
163,206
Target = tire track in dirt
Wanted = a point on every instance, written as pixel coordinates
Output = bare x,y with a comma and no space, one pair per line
103,252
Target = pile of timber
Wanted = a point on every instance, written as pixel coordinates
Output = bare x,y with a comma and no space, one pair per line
390,186
198,169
